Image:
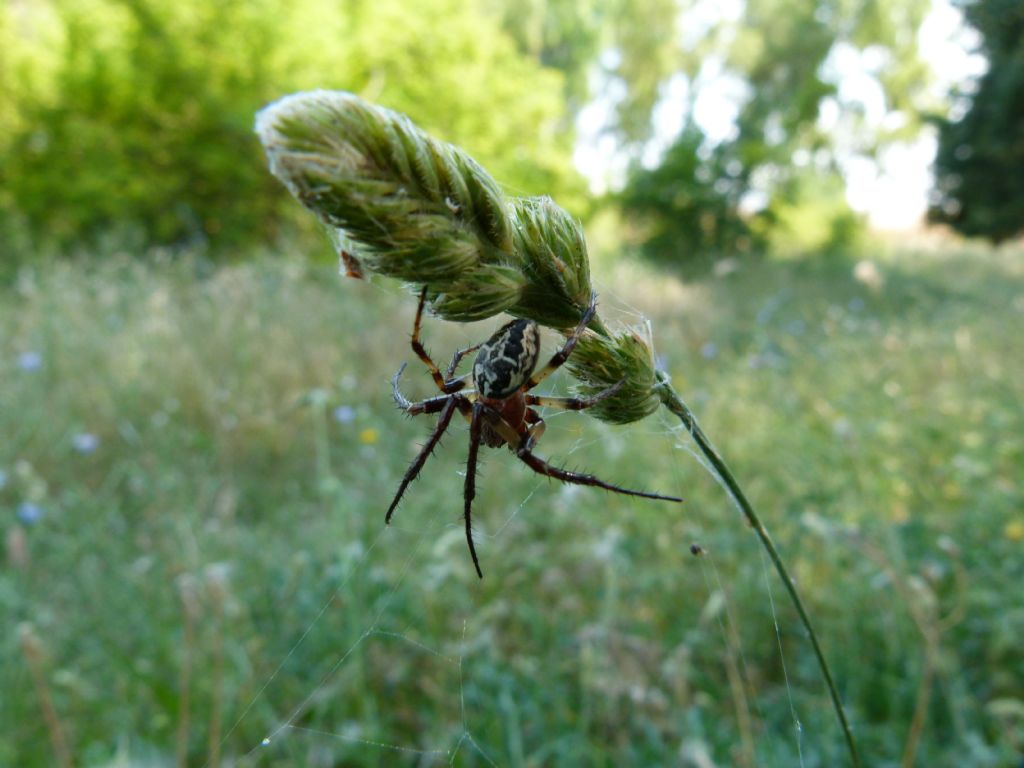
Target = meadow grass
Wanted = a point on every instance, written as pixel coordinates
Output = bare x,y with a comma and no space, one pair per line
196,464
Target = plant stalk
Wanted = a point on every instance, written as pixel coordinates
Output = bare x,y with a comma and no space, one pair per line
671,400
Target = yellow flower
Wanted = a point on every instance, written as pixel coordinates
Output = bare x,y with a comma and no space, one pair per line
898,512
1014,530
369,436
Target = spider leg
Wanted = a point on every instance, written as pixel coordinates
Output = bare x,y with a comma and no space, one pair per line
541,467
457,358
533,433
447,411
418,347
559,358
574,403
448,387
430,405
469,491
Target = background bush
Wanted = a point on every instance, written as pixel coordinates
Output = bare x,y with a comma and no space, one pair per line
138,113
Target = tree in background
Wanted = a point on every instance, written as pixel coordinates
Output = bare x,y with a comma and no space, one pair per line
573,36
781,56
979,167
793,125
689,203
139,113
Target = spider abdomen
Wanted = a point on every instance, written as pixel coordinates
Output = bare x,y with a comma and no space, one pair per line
506,361
512,411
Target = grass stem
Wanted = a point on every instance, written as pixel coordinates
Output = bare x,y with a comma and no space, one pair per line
671,400
32,648
189,609
217,586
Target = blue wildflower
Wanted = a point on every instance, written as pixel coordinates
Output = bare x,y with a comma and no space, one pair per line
29,512
30,361
84,442
344,414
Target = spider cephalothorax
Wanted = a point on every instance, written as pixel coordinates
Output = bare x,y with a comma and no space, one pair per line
500,410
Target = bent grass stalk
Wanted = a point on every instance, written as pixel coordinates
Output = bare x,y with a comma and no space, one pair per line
674,403
399,203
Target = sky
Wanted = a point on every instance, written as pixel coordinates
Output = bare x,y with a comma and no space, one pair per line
892,191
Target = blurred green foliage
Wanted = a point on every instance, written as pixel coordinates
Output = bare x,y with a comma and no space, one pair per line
781,158
218,446
138,113
688,205
809,216
979,168
633,42
189,444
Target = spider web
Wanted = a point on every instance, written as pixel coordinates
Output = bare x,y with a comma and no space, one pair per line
435,669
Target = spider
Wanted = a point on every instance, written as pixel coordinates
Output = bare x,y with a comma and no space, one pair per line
500,411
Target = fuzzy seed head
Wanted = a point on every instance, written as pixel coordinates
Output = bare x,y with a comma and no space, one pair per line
420,210
476,295
554,255
599,362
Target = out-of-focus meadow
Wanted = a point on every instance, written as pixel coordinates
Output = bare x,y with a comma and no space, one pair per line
199,440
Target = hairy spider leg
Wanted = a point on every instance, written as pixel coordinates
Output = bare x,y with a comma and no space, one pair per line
447,411
574,403
421,352
469,492
533,433
430,405
522,444
456,359
558,359
541,467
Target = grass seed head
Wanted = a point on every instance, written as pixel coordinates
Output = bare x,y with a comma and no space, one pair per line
420,210
601,361
554,255
477,295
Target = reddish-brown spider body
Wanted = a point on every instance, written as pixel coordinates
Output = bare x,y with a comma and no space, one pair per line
501,410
